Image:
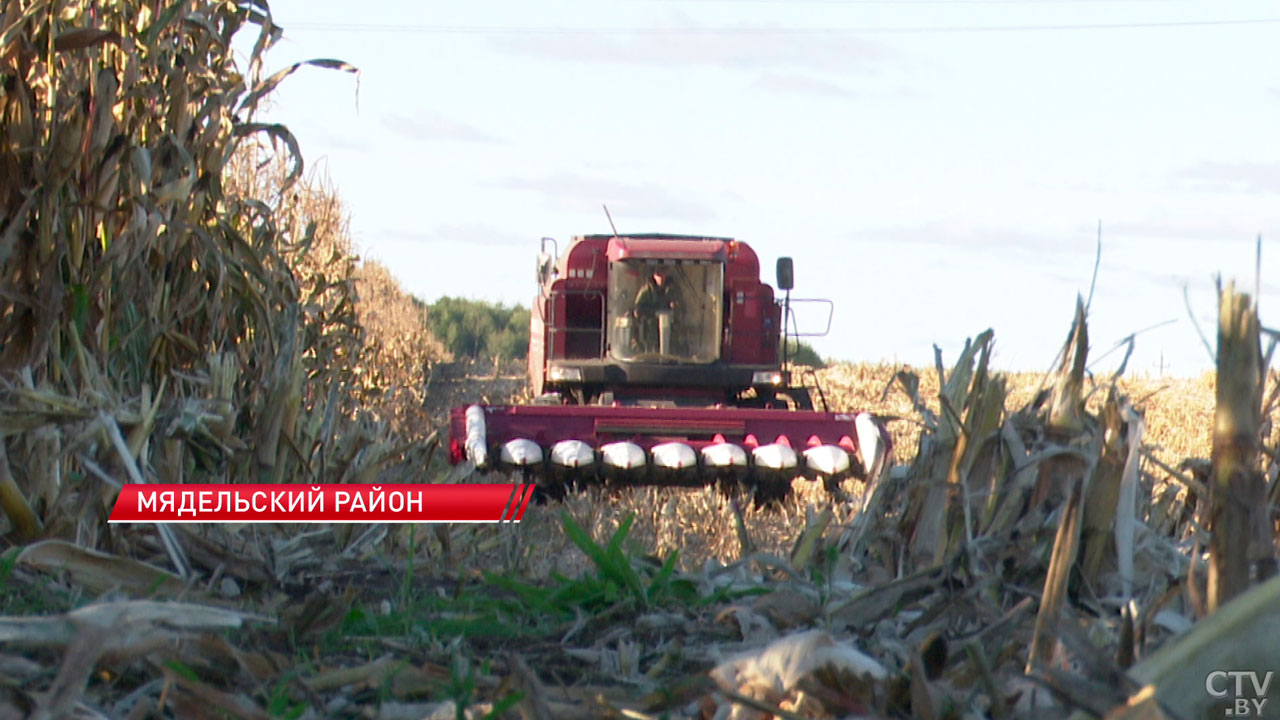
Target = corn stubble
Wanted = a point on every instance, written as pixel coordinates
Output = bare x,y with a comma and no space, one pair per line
1046,526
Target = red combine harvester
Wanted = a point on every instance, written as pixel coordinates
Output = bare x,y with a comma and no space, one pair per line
659,359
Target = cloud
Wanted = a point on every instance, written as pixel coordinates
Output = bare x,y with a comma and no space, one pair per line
625,200
733,48
964,238
800,84
1188,227
803,83
432,126
314,136
1244,177
468,234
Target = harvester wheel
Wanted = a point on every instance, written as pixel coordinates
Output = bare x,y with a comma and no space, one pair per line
771,492
800,396
833,487
730,487
787,399
548,488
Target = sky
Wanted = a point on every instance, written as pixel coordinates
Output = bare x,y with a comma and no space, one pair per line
935,168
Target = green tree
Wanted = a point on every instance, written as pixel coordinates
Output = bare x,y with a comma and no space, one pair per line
479,329
802,353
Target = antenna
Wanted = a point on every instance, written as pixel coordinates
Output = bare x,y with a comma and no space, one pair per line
606,214
1097,260
1257,275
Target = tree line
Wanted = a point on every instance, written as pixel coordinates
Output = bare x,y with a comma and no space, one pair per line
478,329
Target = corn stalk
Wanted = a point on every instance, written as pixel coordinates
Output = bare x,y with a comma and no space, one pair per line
135,257
1238,518
944,458
1066,476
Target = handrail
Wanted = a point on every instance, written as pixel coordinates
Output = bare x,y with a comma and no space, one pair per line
790,322
831,311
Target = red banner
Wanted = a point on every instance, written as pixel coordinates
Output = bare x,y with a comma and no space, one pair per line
322,503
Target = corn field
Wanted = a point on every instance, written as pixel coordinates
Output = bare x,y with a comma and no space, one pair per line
168,282
181,303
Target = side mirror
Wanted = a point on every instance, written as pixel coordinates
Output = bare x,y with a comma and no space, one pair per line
786,274
546,260
544,268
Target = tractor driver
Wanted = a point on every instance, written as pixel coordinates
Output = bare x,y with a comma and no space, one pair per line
658,294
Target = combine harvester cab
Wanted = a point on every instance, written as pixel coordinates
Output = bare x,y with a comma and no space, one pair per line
658,359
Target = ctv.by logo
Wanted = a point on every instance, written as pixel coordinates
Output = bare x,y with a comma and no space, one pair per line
1245,691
